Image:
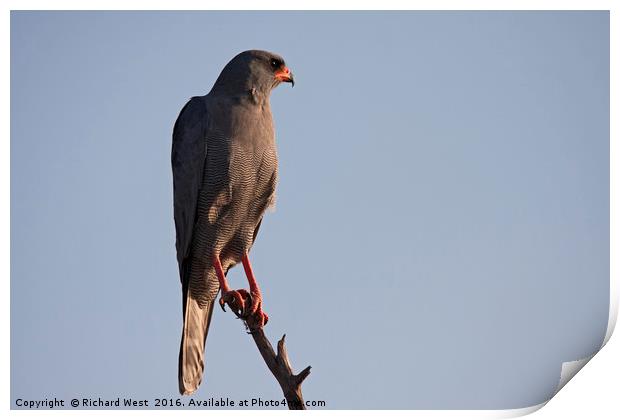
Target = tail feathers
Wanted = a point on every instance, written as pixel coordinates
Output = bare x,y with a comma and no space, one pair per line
191,355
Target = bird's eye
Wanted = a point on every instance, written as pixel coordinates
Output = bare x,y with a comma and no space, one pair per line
274,63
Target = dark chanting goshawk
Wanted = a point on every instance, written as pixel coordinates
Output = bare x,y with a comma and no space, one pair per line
225,167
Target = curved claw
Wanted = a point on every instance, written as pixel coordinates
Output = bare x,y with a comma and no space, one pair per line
246,305
235,300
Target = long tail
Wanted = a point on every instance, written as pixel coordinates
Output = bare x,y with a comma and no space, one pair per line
196,322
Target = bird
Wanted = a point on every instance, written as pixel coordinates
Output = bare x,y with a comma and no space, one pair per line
225,170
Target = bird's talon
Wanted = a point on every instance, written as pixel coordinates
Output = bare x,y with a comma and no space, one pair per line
235,301
247,306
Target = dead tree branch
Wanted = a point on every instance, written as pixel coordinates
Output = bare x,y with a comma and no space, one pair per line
280,367
278,363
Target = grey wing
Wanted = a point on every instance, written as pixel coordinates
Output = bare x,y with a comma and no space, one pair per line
189,151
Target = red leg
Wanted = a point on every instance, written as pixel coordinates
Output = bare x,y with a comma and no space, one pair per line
255,310
245,260
234,298
220,274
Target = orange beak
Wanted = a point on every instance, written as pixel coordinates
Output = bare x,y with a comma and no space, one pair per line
284,75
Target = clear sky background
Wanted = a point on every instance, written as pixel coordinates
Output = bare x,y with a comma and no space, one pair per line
441,237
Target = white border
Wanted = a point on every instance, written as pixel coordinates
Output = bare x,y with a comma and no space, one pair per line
569,368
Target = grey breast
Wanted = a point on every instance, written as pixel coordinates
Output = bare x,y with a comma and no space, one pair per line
238,185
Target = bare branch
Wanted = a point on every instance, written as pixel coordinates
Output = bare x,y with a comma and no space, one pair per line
279,365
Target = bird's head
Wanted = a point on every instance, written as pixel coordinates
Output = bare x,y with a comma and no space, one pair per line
254,69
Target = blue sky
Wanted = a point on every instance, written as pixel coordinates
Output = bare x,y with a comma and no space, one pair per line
441,237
